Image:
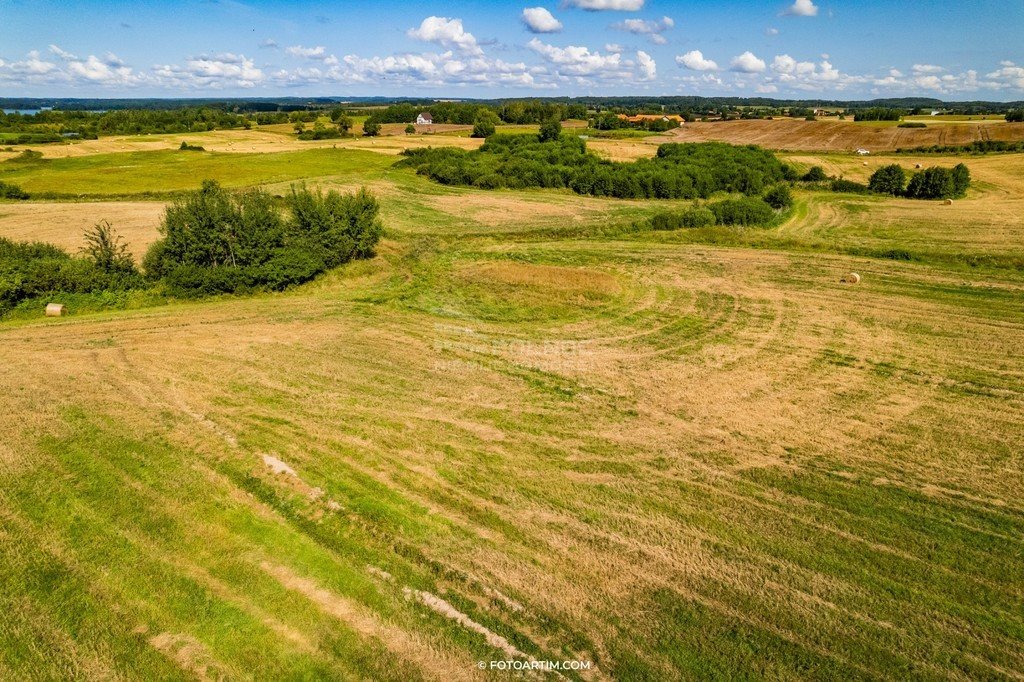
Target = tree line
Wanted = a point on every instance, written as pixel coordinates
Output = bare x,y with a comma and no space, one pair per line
467,113
935,182
90,125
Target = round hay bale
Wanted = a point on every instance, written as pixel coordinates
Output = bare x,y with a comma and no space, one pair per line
54,309
949,202
917,165
850,278
865,163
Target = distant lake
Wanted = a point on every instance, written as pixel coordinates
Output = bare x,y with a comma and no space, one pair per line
30,112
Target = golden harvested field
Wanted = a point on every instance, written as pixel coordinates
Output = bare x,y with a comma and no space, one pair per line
838,136
64,223
525,430
266,139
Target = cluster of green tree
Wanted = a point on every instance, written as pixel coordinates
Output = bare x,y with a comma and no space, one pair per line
9,191
186,147
31,270
912,124
339,126
1015,116
741,211
612,121
213,242
931,183
878,114
216,242
977,147
679,171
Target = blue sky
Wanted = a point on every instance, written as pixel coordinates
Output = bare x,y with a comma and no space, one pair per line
841,49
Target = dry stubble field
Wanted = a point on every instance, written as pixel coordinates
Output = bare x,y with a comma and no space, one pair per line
517,433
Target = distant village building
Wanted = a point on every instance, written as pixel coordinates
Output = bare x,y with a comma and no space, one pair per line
640,118
425,119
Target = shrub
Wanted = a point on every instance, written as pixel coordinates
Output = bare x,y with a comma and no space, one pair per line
33,270
321,132
976,147
815,174
217,242
483,129
690,218
1015,116
410,129
107,250
778,197
485,123
550,130
745,211
186,147
848,186
912,124
371,128
894,254
889,179
154,263
961,179
344,226
9,191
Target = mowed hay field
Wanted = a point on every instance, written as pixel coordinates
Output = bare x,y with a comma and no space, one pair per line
524,431
824,135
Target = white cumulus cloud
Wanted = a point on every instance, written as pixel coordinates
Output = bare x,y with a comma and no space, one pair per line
648,68
540,20
653,29
802,8
747,62
695,61
319,52
447,33
601,5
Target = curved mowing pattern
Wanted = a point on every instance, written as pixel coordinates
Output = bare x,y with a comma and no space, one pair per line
721,463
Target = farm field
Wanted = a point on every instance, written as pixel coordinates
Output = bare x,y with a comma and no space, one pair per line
526,430
839,136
